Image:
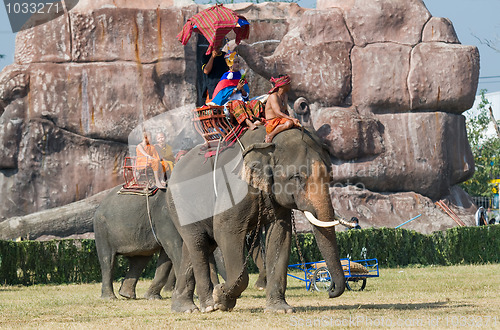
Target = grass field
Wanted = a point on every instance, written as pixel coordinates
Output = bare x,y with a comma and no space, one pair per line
428,297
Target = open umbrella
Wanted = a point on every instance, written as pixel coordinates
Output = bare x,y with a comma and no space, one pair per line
214,23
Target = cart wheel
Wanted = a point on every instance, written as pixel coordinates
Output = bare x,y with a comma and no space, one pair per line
356,284
322,279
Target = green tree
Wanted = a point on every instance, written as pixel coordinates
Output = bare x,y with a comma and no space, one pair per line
486,151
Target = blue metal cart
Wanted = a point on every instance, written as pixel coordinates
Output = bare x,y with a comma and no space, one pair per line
317,276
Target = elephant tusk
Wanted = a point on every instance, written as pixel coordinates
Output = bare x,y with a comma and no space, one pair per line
346,223
312,219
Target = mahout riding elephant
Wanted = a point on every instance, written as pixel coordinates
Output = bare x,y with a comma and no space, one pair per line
254,184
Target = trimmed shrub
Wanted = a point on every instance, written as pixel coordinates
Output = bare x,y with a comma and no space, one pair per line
56,261
401,247
75,261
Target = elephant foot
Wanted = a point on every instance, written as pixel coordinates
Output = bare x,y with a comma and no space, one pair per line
109,296
194,310
152,296
280,308
128,295
222,300
179,306
185,309
107,293
207,305
260,284
209,309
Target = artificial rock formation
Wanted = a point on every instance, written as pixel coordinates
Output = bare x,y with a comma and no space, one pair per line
384,84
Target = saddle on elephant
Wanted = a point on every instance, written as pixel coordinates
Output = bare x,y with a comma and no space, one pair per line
145,172
138,179
222,126
211,123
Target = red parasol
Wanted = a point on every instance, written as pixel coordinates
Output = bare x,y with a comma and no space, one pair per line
214,23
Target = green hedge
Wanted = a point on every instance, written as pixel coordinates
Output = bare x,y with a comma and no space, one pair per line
75,261
401,247
56,261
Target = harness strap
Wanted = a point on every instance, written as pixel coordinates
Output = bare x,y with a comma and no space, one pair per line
215,167
150,220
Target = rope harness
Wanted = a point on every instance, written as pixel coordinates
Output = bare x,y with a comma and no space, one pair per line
149,217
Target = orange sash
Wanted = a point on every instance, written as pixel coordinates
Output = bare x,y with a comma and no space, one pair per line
273,123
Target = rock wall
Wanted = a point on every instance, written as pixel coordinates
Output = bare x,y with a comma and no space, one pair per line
384,84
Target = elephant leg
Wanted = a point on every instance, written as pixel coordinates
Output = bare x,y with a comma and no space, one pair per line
136,266
107,257
172,243
170,285
201,267
219,263
163,269
257,254
182,296
214,277
261,282
278,240
225,294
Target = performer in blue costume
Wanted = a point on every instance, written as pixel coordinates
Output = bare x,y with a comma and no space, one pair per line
233,90
231,86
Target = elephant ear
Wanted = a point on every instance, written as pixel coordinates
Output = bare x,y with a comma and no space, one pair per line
257,168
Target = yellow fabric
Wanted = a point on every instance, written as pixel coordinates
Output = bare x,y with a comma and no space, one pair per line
167,156
165,152
167,165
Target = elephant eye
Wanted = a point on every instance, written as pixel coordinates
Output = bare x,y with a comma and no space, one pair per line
300,179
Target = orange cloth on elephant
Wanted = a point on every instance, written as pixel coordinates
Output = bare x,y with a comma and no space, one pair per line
271,124
143,161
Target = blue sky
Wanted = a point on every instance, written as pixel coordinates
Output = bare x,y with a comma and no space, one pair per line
470,18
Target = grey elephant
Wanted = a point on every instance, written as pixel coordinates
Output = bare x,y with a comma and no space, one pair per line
254,184
122,226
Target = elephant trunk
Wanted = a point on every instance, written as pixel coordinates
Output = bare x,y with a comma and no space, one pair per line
320,206
327,244
262,65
